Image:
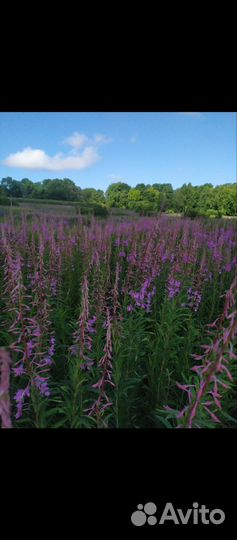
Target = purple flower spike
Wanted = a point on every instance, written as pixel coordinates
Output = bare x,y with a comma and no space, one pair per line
19,370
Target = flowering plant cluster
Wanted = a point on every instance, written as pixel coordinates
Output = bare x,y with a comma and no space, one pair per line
101,321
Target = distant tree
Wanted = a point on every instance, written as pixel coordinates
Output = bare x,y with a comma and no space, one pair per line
93,196
100,197
205,199
141,187
185,199
225,199
144,201
38,191
71,191
166,195
117,195
59,189
12,188
4,200
178,200
6,184
189,200
151,198
134,199
27,187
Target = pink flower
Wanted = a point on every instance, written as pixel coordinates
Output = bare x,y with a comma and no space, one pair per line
19,370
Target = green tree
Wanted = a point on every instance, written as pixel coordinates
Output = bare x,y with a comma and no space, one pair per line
58,189
93,196
166,195
185,200
142,187
37,191
134,199
12,188
150,201
225,199
205,199
27,187
117,195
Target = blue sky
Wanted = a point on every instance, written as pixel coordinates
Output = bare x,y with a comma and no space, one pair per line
96,149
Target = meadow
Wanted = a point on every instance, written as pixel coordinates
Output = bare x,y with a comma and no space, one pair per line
116,323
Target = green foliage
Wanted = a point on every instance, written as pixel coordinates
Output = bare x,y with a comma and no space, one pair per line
59,189
134,199
4,201
117,195
171,342
206,200
189,200
144,200
11,188
130,350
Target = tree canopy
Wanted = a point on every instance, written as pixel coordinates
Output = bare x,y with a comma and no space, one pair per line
188,200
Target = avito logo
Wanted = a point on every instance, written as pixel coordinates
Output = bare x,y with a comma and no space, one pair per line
195,515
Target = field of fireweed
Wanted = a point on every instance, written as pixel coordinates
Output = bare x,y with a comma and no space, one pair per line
112,325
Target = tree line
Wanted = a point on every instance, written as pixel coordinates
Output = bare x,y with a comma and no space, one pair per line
188,200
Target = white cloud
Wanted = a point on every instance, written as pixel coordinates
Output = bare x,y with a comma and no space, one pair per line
101,139
77,140
30,158
83,154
